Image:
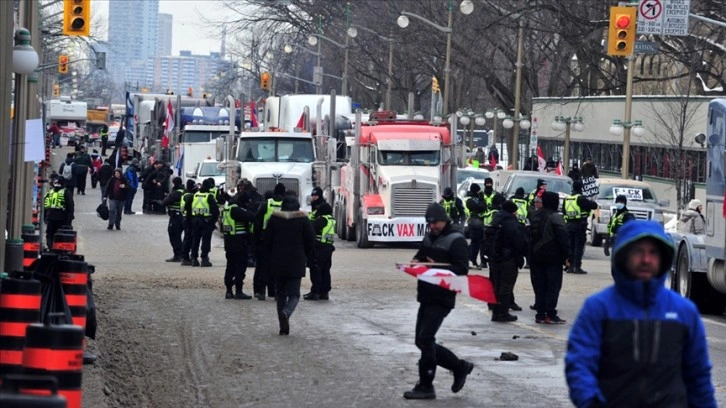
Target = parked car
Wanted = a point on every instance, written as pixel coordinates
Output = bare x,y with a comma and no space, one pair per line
561,185
642,203
465,177
206,169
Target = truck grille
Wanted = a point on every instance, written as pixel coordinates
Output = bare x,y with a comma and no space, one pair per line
268,184
641,214
411,200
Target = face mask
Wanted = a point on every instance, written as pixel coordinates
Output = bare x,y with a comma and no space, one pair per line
619,206
488,190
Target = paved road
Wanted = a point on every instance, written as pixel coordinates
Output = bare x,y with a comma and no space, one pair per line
167,338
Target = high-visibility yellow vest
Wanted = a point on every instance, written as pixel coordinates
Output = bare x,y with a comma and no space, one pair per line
522,209
327,235
487,216
616,222
231,226
272,206
55,200
313,215
200,205
573,211
176,207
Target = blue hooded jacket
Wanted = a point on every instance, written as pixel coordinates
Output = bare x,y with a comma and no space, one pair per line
638,343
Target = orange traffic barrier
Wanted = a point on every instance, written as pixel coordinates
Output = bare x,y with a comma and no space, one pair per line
74,278
31,249
55,350
12,398
65,240
19,307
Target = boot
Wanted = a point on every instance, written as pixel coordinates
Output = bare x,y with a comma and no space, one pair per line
460,375
195,262
186,262
205,262
504,318
311,296
89,358
229,294
241,295
420,392
284,323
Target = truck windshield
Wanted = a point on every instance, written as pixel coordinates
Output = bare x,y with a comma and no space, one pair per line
408,158
210,170
198,136
276,149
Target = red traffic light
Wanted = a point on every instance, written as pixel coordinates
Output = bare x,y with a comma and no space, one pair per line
63,59
622,22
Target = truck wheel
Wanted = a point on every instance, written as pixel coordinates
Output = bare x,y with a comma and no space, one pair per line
595,238
361,229
695,287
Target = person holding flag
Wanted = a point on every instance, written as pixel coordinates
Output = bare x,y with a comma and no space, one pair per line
447,247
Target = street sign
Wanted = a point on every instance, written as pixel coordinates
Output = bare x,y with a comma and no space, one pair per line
646,47
318,76
664,17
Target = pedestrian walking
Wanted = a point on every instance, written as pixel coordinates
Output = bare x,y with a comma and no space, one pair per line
173,204
324,228
288,242
549,250
236,222
96,163
83,164
617,219
576,209
506,257
132,173
55,132
637,343
68,170
262,281
204,212
443,245
104,140
59,208
117,191
105,173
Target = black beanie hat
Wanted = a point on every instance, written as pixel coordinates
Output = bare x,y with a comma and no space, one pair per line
577,186
550,200
177,181
621,199
448,193
290,204
190,184
279,189
509,207
436,212
474,188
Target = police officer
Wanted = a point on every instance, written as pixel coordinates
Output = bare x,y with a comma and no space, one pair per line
235,227
262,278
444,245
489,194
537,192
510,248
522,205
58,205
453,206
204,212
173,204
191,188
316,197
324,228
576,209
617,219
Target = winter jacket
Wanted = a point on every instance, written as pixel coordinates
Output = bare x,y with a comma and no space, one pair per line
512,239
122,193
589,170
289,241
692,222
449,247
549,241
105,172
636,343
69,183
57,214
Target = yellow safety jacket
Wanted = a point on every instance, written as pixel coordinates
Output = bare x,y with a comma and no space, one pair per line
572,210
200,205
522,209
55,200
488,216
327,235
272,206
176,207
230,226
616,222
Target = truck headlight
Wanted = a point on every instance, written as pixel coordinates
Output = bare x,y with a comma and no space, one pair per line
376,210
604,216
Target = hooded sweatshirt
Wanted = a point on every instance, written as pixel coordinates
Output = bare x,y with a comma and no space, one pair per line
289,240
638,343
692,222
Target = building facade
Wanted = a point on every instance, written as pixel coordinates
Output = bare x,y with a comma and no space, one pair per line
163,38
132,38
185,71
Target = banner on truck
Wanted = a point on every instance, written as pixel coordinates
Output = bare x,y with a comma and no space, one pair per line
405,229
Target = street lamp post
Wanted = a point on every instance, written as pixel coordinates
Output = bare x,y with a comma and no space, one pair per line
470,118
516,122
313,40
566,123
622,128
496,114
466,7
353,32
517,96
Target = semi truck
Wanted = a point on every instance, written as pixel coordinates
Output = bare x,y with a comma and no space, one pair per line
71,117
397,167
698,272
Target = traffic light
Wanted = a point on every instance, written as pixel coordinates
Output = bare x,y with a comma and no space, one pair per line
621,31
265,81
63,64
56,90
77,17
434,85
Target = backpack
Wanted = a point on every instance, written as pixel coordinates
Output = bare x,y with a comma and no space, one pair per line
491,245
67,171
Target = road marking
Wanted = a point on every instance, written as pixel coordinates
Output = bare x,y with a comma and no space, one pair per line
712,321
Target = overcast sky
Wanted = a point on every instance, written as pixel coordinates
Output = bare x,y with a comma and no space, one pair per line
188,32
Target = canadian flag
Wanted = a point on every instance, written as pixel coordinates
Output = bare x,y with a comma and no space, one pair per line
168,125
541,162
559,169
477,286
301,122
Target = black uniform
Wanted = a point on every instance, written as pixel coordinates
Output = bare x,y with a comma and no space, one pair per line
173,204
203,211
577,227
236,222
58,212
510,248
324,228
449,247
263,277
187,223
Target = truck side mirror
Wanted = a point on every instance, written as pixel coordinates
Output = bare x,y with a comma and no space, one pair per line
665,202
191,175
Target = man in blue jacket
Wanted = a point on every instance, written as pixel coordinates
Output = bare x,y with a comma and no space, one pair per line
637,343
